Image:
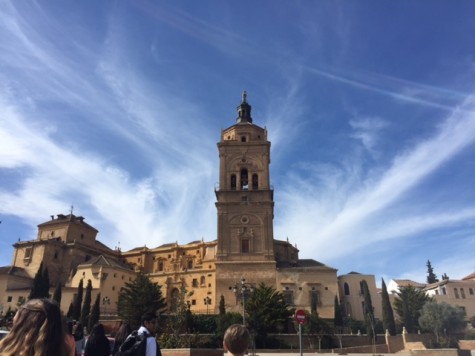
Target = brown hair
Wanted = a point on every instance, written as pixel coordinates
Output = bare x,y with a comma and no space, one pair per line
37,331
236,339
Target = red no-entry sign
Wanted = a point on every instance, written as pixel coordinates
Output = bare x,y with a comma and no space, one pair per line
300,316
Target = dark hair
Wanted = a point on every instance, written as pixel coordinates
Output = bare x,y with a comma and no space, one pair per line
98,341
148,317
122,333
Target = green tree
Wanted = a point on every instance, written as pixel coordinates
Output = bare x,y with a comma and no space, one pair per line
408,305
441,317
267,311
222,305
57,293
338,315
431,277
86,307
138,297
388,314
368,310
77,303
95,313
45,283
69,314
38,289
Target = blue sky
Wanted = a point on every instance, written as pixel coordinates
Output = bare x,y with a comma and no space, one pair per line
116,107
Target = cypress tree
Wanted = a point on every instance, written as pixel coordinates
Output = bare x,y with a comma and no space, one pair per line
69,314
45,283
368,310
222,305
431,277
77,303
338,318
86,308
388,314
95,313
57,294
37,289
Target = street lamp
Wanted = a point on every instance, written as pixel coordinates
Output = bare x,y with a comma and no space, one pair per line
242,289
207,302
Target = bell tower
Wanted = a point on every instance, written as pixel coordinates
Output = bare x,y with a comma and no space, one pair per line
245,202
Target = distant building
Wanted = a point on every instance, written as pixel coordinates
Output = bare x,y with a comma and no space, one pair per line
245,248
352,297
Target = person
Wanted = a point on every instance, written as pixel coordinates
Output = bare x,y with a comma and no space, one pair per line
78,333
37,330
120,336
97,343
236,340
148,322
68,334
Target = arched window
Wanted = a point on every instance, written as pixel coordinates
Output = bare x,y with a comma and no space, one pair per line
233,182
202,281
244,179
346,287
255,182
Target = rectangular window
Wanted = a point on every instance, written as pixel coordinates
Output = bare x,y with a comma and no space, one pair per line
195,283
470,291
444,291
9,299
289,297
160,266
28,253
462,292
456,293
245,248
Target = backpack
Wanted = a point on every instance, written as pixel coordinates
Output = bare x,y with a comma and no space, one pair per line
135,344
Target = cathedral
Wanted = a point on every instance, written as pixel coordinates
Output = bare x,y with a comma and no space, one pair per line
244,254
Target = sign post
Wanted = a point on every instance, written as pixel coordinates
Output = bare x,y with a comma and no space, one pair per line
301,318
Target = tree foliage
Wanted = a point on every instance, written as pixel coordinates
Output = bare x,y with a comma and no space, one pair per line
388,314
338,316
77,303
57,294
86,308
138,297
95,313
408,305
441,317
368,310
267,311
431,276
40,287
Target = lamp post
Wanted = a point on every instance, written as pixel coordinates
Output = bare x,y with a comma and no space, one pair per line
242,289
207,302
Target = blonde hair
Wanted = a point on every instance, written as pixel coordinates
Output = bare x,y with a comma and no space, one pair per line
37,331
236,339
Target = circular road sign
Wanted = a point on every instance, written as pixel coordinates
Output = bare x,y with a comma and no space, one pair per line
300,316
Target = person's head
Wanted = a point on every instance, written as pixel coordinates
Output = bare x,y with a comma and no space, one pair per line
149,320
98,331
37,330
236,339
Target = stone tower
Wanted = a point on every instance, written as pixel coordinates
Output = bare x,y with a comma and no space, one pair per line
245,204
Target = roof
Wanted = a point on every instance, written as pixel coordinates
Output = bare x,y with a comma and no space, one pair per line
470,276
408,282
61,218
102,260
14,271
305,263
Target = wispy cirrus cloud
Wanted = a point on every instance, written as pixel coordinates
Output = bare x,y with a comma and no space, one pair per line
348,226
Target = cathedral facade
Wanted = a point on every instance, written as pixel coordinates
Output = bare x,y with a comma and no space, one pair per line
244,255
